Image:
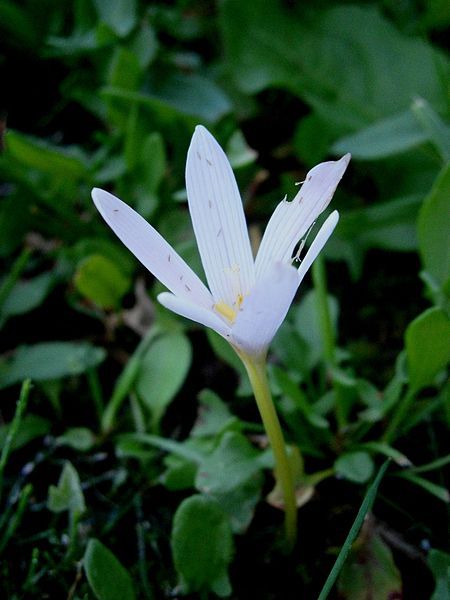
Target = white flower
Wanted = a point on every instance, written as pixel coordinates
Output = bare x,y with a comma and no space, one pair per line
247,299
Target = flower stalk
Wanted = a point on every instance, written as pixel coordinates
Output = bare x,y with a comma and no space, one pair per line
257,373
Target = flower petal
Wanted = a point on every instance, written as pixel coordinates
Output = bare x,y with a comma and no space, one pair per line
151,249
264,309
218,219
291,220
201,315
319,242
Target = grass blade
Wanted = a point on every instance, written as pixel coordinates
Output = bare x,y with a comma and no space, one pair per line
365,507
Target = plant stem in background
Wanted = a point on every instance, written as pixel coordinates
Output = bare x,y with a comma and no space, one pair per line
126,381
12,277
327,333
400,412
14,427
257,374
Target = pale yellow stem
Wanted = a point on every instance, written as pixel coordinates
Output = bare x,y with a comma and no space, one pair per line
257,373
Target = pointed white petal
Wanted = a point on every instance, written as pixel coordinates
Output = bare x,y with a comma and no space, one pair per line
291,220
201,315
264,309
218,219
151,248
319,242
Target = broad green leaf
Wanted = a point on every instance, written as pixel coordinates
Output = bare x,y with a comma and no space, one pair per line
370,572
57,161
108,579
27,295
325,57
149,174
427,347
383,138
120,15
67,495
189,95
433,227
232,474
101,281
354,466
439,563
202,546
125,71
49,360
229,466
78,438
239,152
308,326
144,45
162,372
16,24
31,427
214,416
179,474
240,503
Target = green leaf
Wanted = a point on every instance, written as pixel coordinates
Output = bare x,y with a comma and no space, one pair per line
293,391
59,162
439,563
27,295
67,495
49,360
30,427
214,415
366,506
101,281
355,466
437,131
370,572
120,15
427,347
308,326
229,466
383,138
18,24
78,438
432,488
108,579
433,226
239,152
202,546
162,372
325,56
180,94
232,475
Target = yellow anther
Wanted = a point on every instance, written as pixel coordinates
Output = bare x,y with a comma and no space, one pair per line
226,311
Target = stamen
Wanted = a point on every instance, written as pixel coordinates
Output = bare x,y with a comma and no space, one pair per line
226,311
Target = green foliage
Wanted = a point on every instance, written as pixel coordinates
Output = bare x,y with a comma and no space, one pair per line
439,563
162,372
49,360
67,495
157,417
98,279
427,347
107,577
202,546
370,571
355,466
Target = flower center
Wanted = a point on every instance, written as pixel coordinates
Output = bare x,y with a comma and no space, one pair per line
227,311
